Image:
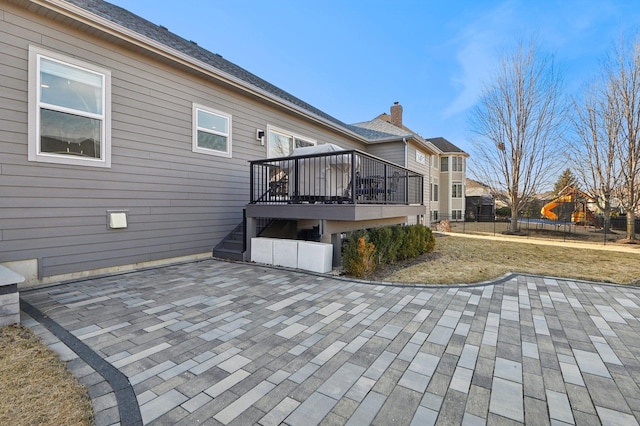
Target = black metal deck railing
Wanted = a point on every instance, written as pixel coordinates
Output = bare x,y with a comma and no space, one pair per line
343,177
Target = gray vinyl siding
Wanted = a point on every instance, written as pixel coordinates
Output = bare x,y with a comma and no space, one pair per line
179,203
392,151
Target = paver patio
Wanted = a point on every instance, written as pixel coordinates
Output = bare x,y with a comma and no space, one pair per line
213,342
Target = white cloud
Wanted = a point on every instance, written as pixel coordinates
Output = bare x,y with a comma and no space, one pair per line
480,43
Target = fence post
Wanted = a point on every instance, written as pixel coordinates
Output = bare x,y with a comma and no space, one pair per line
353,177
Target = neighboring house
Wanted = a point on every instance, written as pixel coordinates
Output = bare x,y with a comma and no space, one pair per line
453,176
123,146
475,188
480,204
442,163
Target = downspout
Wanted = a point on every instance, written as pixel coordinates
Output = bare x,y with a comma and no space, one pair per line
406,153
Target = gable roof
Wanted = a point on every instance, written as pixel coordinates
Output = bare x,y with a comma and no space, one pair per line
379,129
445,146
440,143
159,34
383,131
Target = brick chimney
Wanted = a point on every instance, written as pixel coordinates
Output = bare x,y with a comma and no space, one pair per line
396,114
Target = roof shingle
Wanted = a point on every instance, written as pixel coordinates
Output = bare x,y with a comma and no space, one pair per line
161,35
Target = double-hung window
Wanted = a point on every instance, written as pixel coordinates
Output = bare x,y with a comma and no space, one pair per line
456,190
69,110
211,131
282,143
457,164
434,192
444,164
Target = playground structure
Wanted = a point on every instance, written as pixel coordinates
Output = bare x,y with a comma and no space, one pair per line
571,205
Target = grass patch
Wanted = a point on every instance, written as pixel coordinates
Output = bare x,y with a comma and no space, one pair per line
458,260
37,389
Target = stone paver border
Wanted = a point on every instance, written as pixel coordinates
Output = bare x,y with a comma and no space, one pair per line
128,409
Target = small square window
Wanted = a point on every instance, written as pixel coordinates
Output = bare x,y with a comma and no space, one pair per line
211,131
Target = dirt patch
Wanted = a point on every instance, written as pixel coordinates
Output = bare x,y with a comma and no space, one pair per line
628,241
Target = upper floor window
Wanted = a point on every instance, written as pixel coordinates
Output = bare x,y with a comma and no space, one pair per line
211,131
444,164
282,143
456,190
69,110
457,164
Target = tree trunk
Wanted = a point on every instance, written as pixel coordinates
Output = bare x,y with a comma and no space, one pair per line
513,228
631,225
606,213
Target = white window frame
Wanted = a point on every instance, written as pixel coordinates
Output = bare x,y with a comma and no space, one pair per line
34,149
454,193
457,164
456,214
435,190
287,133
444,161
194,145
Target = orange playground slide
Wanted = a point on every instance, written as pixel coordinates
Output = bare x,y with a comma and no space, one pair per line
578,200
547,209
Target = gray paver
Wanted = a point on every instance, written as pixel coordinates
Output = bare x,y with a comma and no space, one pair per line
237,343
237,407
559,407
615,418
506,399
311,411
227,383
590,362
161,405
341,381
279,412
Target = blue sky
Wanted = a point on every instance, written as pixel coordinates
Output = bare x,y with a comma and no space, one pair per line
353,59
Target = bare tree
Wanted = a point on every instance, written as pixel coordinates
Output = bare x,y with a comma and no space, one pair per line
623,86
518,126
597,127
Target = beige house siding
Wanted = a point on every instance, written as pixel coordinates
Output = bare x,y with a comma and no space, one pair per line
392,151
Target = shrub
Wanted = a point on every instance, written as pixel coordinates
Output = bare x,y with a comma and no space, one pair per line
359,256
429,240
386,246
503,212
364,250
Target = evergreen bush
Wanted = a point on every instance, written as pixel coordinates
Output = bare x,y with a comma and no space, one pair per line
365,250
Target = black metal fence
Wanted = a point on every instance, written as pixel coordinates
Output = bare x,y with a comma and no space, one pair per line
343,177
535,227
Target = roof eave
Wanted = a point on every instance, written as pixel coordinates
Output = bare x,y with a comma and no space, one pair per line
119,31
